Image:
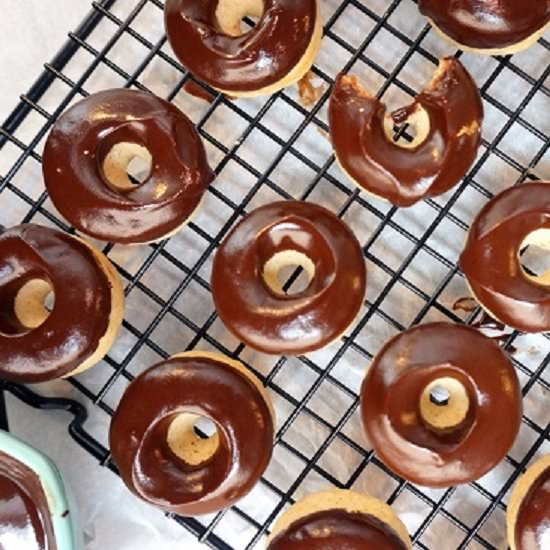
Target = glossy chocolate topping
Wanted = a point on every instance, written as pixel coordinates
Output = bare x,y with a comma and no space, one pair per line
80,315
486,24
280,323
79,143
490,258
338,530
399,174
201,386
390,398
25,521
252,61
533,521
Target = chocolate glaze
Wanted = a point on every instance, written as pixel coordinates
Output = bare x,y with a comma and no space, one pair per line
338,529
487,25
289,324
405,176
80,316
83,136
196,90
490,258
390,398
200,386
532,530
255,60
25,521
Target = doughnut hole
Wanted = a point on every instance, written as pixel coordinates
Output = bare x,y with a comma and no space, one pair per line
126,165
444,403
288,267
25,307
193,438
230,15
407,129
534,256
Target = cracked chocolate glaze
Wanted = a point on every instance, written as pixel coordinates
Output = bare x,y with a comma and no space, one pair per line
79,143
25,520
390,398
484,24
490,259
79,318
257,59
275,322
405,175
202,386
532,530
338,529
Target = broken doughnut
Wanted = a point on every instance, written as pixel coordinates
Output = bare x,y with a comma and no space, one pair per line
447,117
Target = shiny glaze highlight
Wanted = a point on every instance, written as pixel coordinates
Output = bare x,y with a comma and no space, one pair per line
255,60
533,521
198,385
78,144
390,397
485,24
25,522
490,259
406,175
280,323
338,529
80,315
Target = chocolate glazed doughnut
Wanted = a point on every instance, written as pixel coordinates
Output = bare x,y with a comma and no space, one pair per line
528,510
431,400
447,116
37,344
162,459
493,28
339,519
514,219
249,297
207,38
89,151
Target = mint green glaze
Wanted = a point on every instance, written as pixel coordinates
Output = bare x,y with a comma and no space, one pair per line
64,528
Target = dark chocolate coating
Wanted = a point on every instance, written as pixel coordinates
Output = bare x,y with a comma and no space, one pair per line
390,398
338,530
81,139
80,316
405,176
200,386
532,530
25,520
298,323
252,61
484,24
490,259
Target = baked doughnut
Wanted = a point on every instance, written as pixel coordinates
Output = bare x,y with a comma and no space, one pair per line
484,26
37,344
514,219
339,519
34,511
90,151
251,301
207,38
430,411
161,457
528,511
447,117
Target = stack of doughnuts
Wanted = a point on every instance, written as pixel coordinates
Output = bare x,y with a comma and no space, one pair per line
194,433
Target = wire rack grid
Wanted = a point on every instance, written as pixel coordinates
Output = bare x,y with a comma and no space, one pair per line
276,148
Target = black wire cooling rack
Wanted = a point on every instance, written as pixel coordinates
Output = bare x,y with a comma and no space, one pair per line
410,253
